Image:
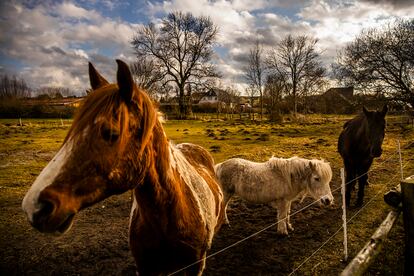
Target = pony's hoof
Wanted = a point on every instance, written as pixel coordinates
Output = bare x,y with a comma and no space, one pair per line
283,233
290,227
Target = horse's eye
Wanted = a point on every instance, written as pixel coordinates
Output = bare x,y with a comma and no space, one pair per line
109,135
317,179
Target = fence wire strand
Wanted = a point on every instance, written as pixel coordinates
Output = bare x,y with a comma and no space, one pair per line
291,215
349,220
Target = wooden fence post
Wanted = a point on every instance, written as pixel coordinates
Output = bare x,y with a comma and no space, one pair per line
407,190
366,255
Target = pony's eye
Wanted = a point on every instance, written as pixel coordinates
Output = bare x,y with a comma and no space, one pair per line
109,135
317,178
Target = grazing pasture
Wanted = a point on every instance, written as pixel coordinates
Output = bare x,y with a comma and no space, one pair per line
98,242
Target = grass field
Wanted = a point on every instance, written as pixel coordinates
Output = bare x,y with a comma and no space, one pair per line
26,149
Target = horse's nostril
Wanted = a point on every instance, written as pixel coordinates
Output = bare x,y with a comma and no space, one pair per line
326,201
46,209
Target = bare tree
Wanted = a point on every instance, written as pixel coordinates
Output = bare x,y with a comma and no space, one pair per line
55,92
252,94
182,48
381,60
297,59
13,88
255,71
147,75
276,87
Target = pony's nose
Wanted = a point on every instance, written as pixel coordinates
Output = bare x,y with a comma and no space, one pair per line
41,217
326,201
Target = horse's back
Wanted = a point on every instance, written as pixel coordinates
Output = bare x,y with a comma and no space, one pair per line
202,161
197,155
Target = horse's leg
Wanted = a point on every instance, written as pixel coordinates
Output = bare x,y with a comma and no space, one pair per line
282,210
289,226
362,182
197,268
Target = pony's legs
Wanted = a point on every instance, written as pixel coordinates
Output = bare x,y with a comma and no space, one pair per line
289,226
282,214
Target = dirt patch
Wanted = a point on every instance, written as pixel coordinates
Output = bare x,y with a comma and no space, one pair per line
98,242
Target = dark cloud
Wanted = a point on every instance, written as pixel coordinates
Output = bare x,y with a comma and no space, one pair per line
399,4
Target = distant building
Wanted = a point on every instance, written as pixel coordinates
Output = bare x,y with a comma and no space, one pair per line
62,102
338,100
346,93
210,97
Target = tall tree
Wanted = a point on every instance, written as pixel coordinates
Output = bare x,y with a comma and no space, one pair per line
254,72
148,76
182,48
381,60
276,87
296,58
251,92
13,88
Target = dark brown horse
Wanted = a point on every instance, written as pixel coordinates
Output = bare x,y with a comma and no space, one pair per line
359,143
116,144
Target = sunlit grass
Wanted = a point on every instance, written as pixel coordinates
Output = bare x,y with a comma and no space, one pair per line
26,149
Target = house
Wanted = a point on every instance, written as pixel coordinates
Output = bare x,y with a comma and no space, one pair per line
338,100
345,93
61,102
210,97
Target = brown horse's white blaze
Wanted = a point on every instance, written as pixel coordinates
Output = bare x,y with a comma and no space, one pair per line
31,204
116,144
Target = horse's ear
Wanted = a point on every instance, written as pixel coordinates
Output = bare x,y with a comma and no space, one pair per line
366,112
384,110
95,78
312,166
125,81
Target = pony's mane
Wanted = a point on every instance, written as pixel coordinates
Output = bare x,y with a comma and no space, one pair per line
107,101
323,168
298,167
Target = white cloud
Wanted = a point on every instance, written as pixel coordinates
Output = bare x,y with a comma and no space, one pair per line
56,41
67,9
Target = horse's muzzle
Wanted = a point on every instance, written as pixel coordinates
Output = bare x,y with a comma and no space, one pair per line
49,220
326,201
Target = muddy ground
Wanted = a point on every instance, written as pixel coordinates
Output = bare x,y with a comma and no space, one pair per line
97,244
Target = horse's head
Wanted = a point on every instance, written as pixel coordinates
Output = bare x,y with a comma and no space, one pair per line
104,153
375,129
319,179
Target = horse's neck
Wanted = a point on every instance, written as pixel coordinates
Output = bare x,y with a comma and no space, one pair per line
158,196
358,134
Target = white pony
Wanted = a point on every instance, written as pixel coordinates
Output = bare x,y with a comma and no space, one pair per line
278,181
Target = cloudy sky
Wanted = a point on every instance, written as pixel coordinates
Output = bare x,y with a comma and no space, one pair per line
48,43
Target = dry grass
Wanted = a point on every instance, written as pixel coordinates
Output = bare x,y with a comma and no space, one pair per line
25,150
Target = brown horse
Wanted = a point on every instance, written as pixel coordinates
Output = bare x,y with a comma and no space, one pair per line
359,143
116,144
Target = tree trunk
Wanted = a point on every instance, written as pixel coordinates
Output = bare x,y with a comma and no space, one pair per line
261,104
182,103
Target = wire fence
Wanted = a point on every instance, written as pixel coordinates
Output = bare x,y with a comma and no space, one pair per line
300,210
349,220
